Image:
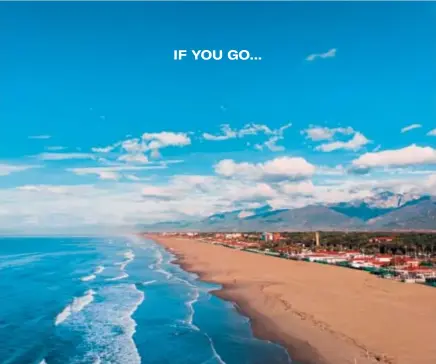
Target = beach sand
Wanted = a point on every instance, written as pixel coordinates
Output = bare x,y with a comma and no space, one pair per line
321,314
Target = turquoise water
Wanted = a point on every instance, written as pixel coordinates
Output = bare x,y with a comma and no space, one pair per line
114,300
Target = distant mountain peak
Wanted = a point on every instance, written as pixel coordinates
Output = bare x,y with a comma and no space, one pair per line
384,209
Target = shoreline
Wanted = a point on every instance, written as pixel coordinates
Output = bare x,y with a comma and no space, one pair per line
263,328
300,313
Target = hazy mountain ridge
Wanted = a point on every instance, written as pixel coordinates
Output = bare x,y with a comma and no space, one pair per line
384,211
374,206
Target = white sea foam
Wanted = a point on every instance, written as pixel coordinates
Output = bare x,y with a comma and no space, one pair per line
78,304
93,276
109,327
99,269
159,260
148,282
157,265
43,361
214,352
117,278
191,313
88,278
129,257
186,282
168,275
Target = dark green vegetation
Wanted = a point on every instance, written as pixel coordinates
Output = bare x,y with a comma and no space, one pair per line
368,242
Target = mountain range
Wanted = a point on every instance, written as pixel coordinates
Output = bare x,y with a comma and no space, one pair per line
384,211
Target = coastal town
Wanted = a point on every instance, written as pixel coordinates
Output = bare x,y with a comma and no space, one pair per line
406,257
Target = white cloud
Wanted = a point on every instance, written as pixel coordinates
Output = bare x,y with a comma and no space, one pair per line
318,133
271,143
303,187
410,127
64,156
254,129
6,169
132,177
112,172
133,158
432,132
408,156
227,133
34,207
209,189
104,173
249,129
275,135
166,139
134,148
42,188
275,170
107,149
56,148
39,137
338,170
329,54
157,192
354,144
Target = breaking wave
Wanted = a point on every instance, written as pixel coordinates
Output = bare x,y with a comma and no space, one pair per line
112,327
99,269
117,278
88,278
78,304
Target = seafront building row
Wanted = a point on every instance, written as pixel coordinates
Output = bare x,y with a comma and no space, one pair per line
404,268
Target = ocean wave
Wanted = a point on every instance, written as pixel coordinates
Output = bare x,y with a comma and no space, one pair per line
43,361
214,352
78,304
99,269
20,260
10,256
16,260
191,313
159,259
129,256
184,281
167,274
110,326
93,276
148,282
117,278
88,278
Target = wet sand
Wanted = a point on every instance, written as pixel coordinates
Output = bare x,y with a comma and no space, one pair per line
321,314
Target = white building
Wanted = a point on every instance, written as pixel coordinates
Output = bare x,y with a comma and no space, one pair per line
267,237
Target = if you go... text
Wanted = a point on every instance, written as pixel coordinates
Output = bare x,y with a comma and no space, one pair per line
214,55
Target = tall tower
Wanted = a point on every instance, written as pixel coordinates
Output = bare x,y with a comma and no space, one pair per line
317,238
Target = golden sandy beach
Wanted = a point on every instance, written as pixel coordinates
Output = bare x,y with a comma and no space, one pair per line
321,314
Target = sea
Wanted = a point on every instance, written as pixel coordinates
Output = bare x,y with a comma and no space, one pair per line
115,300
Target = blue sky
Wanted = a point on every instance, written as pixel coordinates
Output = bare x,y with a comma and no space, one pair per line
322,113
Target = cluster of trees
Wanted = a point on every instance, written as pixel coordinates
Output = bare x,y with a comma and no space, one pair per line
402,243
